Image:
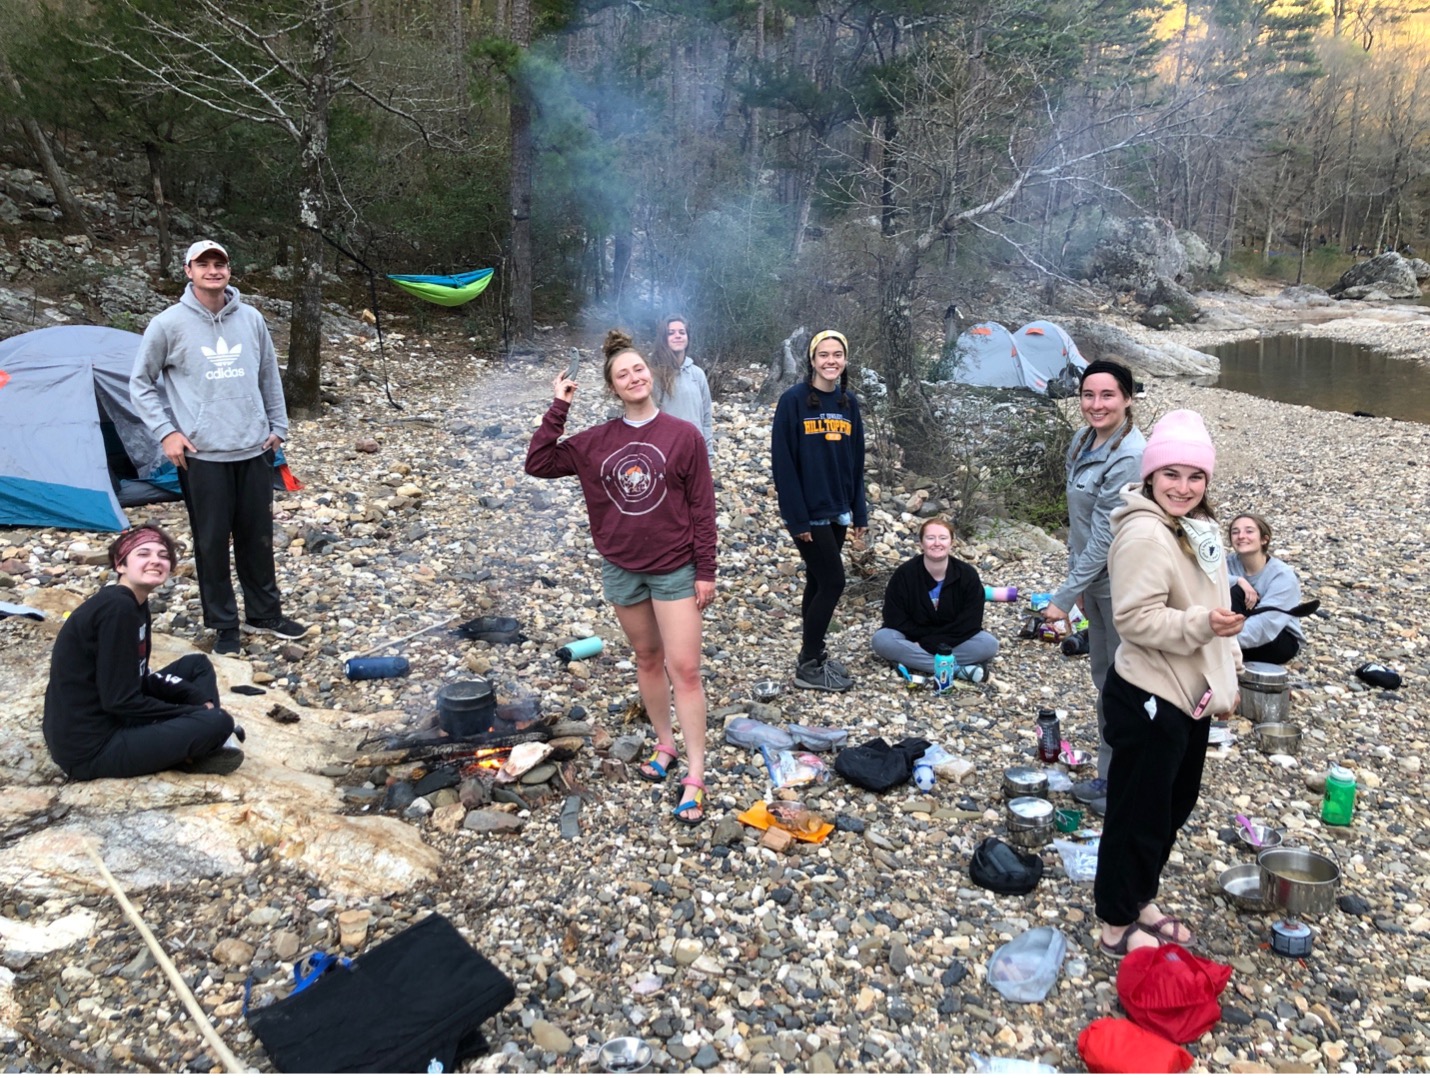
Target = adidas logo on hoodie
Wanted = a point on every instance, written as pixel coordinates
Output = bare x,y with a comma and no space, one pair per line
223,357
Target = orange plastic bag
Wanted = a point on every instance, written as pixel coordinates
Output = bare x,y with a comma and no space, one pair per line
758,815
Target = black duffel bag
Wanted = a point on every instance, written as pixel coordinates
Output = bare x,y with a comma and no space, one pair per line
876,765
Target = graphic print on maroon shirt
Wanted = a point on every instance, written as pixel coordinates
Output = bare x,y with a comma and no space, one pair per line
634,478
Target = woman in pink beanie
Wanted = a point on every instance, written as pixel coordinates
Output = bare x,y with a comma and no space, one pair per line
1177,666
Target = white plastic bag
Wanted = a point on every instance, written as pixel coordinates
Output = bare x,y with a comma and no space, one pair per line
1003,1065
1025,969
1079,858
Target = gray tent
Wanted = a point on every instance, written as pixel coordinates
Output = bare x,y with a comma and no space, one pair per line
1045,347
72,450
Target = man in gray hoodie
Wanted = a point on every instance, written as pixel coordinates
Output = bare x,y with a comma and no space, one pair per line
206,382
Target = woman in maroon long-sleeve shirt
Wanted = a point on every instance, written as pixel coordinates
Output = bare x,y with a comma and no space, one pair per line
651,503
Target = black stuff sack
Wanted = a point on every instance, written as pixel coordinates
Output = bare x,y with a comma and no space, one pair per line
413,1000
999,867
876,765
1382,677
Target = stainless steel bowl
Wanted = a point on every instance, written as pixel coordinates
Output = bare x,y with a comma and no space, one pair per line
625,1055
1277,737
765,691
1242,886
1265,838
1025,782
1298,881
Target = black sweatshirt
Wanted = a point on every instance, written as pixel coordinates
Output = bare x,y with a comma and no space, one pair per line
100,678
908,609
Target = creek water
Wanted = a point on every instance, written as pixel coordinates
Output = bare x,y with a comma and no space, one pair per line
1333,376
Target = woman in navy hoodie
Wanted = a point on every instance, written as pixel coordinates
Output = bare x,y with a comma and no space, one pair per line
817,453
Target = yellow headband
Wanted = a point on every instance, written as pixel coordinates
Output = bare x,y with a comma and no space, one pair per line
824,335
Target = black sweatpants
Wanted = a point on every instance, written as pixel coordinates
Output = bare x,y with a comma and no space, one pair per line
233,498
1152,787
823,584
1279,651
157,746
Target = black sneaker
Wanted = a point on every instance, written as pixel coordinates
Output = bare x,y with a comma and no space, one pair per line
1089,791
283,627
814,674
834,664
223,761
227,642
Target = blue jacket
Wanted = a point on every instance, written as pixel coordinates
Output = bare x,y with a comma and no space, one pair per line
817,454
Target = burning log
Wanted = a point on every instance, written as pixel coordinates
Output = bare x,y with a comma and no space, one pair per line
448,749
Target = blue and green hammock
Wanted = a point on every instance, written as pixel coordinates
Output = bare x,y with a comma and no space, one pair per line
449,291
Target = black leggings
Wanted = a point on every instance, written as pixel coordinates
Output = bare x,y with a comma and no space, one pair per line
1279,651
1152,787
158,746
823,584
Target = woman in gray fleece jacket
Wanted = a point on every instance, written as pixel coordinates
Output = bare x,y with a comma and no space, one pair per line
680,386
1103,458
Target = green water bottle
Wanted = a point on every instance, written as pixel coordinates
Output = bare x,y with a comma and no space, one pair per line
1339,803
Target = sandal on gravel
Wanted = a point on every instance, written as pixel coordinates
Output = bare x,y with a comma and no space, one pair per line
659,771
1122,946
1155,928
697,803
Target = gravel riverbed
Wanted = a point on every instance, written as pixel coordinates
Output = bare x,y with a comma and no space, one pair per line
868,952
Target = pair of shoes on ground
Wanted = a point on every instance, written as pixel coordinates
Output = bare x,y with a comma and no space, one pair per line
824,674
228,642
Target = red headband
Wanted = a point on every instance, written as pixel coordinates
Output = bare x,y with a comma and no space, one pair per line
129,540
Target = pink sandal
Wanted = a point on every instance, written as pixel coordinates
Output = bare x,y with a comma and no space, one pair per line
659,772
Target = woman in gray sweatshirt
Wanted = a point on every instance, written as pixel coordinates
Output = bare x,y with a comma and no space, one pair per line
1104,457
680,386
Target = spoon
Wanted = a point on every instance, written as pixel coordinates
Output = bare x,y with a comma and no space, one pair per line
1253,831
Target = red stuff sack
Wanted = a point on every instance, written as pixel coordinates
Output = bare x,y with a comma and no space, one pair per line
1171,991
1116,1046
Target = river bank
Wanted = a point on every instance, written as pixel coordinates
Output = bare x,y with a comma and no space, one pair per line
868,952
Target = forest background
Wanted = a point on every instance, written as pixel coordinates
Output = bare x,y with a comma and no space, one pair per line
752,164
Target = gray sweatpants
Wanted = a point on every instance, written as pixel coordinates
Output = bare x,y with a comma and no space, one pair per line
893,646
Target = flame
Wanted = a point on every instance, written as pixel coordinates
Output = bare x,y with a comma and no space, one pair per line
485,760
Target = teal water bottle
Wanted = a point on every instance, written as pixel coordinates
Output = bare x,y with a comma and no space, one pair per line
1338,804
580,649
945,669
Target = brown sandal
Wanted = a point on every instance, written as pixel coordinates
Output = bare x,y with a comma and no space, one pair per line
1155,929
1122,947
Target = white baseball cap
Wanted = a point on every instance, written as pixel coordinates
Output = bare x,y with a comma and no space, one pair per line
200,247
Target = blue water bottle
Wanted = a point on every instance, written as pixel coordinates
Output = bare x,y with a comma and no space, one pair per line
376,666
580,649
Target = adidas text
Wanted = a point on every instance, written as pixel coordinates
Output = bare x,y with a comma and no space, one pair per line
231,372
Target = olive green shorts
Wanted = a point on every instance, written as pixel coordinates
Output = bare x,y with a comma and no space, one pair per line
625,588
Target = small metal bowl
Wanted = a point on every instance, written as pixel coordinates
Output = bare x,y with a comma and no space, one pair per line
625,1055
1241,884
1266,837
765,691
1273,737
1075,758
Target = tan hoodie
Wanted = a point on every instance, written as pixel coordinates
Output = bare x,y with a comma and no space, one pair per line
1161,599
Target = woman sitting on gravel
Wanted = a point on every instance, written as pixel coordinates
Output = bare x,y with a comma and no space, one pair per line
651,503
680,386
107,715
934,602
1177,666
817,454
1259,579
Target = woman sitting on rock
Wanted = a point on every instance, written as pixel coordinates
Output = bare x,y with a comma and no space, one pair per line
1176,667
933,604
1257,579
651,503
107,715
